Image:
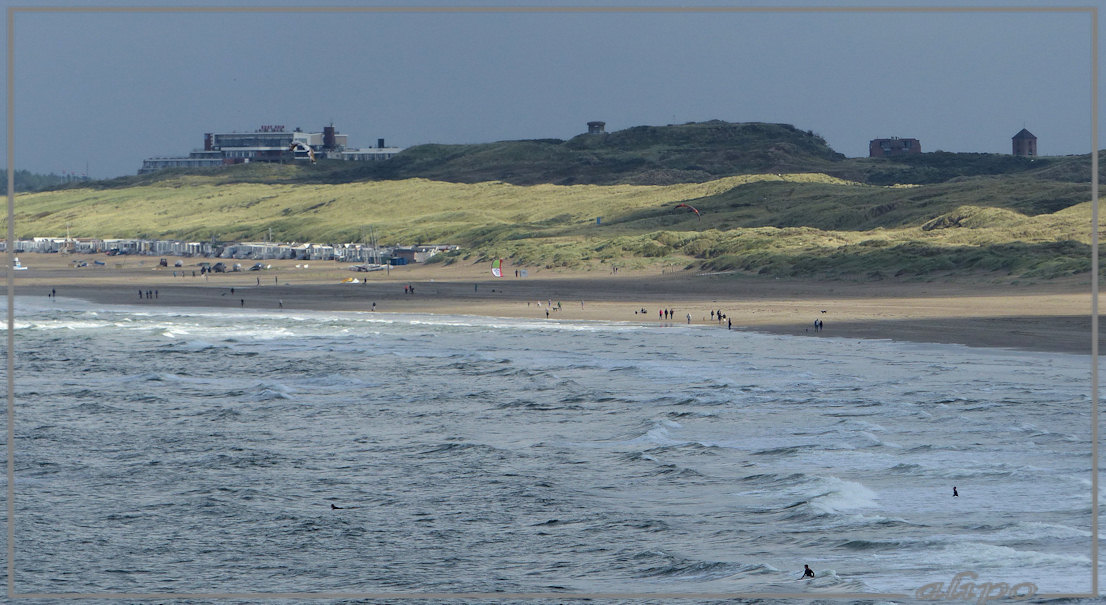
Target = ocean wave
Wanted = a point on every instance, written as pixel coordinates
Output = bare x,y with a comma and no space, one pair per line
972,555
537,406
453,448
787,450
839,495
154,377
829,496
1025,531
96,407
271,392
195,346
674,567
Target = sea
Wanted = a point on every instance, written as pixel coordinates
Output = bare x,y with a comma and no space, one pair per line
189,450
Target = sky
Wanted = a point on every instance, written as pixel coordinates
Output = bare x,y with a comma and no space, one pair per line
97,92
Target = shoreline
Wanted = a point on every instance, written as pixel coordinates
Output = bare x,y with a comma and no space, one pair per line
1051,317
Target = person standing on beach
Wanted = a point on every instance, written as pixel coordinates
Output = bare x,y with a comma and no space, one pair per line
689,319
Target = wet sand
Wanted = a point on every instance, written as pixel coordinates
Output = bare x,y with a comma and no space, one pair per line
1049,316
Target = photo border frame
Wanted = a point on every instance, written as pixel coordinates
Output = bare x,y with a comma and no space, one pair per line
12,11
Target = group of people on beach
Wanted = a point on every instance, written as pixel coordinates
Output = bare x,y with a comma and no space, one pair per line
720,316
670,314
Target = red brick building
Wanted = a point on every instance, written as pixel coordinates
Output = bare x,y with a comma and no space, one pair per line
1025,144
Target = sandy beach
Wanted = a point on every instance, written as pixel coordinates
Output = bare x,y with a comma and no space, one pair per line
1053,316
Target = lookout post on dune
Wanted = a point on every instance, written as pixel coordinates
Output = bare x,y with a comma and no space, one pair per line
1024,143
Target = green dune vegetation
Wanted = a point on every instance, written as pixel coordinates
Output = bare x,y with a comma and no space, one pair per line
782,204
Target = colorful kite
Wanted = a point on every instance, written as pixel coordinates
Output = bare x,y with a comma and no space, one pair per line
690,208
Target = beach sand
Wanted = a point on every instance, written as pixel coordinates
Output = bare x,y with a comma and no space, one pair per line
1050,316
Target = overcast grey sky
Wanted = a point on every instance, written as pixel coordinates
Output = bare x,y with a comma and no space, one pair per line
106,90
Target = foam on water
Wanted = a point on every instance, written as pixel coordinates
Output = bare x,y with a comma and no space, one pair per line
201,450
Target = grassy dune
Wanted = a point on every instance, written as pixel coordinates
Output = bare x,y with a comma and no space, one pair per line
801,224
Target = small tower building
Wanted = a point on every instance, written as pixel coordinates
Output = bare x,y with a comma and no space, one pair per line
1025,144
597,127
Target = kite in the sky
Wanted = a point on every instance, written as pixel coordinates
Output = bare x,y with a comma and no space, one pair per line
692,208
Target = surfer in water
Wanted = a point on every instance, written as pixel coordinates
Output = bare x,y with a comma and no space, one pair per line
954,494
807,572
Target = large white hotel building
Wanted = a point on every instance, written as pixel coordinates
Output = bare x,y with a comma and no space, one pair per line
270,143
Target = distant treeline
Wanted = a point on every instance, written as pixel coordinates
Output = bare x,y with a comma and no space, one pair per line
28,181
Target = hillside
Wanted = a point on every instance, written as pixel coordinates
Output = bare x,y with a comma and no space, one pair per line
795,225
646,155
643,155
773,199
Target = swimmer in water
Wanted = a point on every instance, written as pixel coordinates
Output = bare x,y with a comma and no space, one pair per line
807,572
